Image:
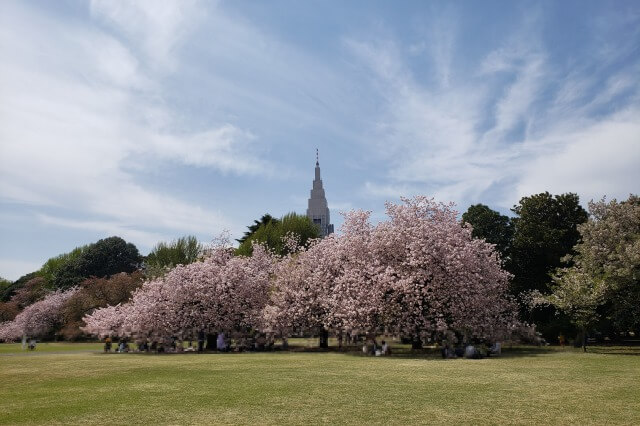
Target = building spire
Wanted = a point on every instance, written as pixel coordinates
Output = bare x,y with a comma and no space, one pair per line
318,210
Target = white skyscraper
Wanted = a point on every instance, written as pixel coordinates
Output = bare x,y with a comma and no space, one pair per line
318,210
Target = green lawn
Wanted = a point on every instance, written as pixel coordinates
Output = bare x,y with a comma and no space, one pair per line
75,383
16,348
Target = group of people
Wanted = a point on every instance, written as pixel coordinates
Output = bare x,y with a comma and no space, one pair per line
470,351
123,345
373,348
263,342
222,344
31,344
256,342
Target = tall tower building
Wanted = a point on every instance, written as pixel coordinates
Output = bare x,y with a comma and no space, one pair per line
318,210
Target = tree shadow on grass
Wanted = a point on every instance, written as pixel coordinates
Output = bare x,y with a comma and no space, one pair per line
614,350
430,353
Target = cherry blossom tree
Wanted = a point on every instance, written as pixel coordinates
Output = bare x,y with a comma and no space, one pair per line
418,274
222,293
106,321
302,279
437,277
37,319
355,303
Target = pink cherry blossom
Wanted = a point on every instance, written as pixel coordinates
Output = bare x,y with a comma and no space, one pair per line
222,293
37,319
418,274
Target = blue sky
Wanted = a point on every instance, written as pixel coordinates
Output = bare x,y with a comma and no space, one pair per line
155,119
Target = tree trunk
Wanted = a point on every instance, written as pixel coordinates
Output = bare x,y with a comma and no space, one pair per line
584,339
324,338
212,342
416,343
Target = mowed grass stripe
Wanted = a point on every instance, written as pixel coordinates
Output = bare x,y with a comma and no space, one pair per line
552,387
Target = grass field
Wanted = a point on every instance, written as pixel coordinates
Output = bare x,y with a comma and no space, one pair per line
75,383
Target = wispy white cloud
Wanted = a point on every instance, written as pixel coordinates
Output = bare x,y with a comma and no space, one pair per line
154,28
599,159
503,132
390,191
426,133
227,148
80,109
341,206
148,239
161,118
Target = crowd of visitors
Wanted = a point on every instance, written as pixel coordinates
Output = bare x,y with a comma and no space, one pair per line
471,350
450,347
372,347
240,343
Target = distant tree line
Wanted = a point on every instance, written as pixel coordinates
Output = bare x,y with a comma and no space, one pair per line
419,274
562,258
107,272
89,277
573,272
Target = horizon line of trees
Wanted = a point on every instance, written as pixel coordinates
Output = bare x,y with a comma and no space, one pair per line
572,271
420,275
108,271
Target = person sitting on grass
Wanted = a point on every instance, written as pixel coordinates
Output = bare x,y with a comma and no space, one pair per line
496,349
201,337
444,352
261,342
561,340
386,349
221,343
271,341
470,352
483,350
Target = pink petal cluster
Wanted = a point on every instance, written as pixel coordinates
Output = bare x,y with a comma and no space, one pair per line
418,274
37,319
222,293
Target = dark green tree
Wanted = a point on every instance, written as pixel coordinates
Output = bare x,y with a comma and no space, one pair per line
491,226
53,267
101,259
545,232
23,294
273,232
264,220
